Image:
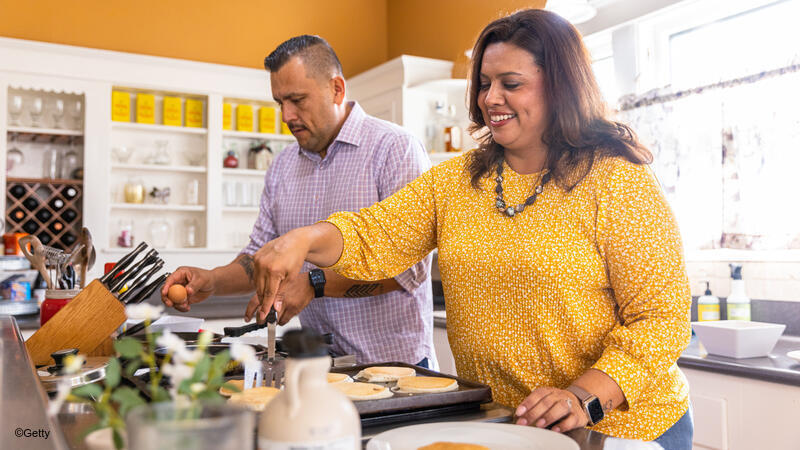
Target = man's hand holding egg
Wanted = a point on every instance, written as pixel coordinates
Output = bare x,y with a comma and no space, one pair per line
185,286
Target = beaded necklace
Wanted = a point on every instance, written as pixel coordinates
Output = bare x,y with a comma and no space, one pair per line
510,211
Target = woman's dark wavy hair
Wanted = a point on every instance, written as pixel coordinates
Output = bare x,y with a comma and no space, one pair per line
578,131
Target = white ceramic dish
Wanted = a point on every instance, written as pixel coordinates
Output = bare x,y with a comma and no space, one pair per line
795,355
738,338
496,436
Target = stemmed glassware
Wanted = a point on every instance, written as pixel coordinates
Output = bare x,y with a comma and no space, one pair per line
76,112
36,111
15,110
58,112
14,157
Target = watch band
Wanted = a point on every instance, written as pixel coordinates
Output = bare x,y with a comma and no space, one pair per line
317,279
590,402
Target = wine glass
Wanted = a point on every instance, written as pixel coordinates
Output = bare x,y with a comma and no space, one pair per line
14,157
15,110
36,111
58,112
76,112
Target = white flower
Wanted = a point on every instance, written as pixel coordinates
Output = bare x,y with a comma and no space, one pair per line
204,339
64,388
197,388
73,363
184,356
144,311
171,342
243,353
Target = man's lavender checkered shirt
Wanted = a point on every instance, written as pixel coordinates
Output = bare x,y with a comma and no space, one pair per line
368,161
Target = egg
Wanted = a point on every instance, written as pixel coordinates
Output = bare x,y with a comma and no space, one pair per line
176,293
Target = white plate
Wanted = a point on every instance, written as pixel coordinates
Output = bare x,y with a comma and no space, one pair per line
493,435
795,355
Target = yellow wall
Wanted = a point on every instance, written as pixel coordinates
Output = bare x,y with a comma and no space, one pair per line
364,33
235,32
444,29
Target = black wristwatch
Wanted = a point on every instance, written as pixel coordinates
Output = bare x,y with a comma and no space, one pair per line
591,404
317,279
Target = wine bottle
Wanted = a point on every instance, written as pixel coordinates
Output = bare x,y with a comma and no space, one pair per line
17,190
56,203
17,215
69,215
56,227
70,193
30,203
30,227
68,238
44,215
44,238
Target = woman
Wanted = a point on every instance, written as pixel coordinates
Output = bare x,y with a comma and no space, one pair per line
560,259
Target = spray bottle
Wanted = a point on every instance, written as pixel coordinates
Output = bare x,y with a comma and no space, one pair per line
738,301
707,306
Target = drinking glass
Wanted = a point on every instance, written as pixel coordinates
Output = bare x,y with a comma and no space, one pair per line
51,163
160,230
36,111
76,112
58,113
15,110
14,157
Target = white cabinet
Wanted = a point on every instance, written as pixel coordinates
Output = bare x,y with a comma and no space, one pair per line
95,74
738,413
405,91
443,353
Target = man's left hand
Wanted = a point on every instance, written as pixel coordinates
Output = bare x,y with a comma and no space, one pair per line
294,295
547,406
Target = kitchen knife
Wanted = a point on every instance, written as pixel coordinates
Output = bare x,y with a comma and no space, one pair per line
150,258
141,281
148,290
123,263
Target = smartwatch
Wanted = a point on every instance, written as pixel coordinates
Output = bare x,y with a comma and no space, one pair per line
591,404
317,279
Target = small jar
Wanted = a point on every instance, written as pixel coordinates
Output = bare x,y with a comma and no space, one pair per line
54,300
134,191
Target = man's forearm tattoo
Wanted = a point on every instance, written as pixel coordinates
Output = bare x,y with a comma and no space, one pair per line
363,290
246,261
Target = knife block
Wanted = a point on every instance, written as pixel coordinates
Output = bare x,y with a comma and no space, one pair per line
85,323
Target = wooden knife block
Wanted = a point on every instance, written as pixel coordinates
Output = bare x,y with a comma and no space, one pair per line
85,323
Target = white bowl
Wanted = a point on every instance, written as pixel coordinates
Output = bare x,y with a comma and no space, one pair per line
738,338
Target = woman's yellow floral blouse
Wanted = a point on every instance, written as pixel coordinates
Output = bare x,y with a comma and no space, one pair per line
591,278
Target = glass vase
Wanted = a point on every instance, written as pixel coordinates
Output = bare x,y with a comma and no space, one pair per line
196,426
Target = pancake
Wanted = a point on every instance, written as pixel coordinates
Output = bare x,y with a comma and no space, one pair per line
383,374
452,446
336,378
363,391
226,392
426,385
256,398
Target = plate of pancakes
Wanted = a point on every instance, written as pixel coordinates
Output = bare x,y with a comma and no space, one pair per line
470,436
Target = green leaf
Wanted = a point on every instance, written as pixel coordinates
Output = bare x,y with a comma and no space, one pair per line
201,369
160,395
211,396
127,398
231,387
113,372
133,366
119,443
220,362
94,427
128,347
90,391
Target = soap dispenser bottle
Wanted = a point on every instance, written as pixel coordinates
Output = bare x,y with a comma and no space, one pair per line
707,306
738,301
309,414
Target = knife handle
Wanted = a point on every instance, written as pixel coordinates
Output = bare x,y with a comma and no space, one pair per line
238,331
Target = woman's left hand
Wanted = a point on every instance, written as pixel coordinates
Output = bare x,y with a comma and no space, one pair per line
546,406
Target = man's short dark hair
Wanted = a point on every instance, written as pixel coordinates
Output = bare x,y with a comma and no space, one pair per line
317,55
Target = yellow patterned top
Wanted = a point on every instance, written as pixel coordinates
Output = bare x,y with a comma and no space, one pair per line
592,278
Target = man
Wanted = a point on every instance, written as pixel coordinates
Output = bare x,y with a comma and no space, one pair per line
343,160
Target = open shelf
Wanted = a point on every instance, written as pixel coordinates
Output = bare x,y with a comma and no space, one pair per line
159,168
159,128
157,207
247,172
45,131
45,180
253,135
241,209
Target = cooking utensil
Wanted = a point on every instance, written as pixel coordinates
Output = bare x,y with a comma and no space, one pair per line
238,331
123,263
145,277
89,254
37,258
146,291
94,369
271,371
131,269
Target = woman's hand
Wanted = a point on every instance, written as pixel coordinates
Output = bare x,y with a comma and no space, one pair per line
276,263
547,406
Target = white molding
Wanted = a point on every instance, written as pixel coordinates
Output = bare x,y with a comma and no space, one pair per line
158,128
244,172
157,168
157,207
47,131
255,135
403,71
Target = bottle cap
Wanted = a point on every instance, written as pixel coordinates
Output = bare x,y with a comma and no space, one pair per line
708,289
736,271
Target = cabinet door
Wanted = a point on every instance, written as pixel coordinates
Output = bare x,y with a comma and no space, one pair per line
386,106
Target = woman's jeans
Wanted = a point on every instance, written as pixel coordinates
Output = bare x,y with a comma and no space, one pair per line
679,435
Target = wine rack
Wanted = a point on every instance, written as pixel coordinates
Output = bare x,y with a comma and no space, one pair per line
49,209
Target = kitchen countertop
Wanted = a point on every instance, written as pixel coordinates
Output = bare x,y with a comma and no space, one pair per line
775,367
